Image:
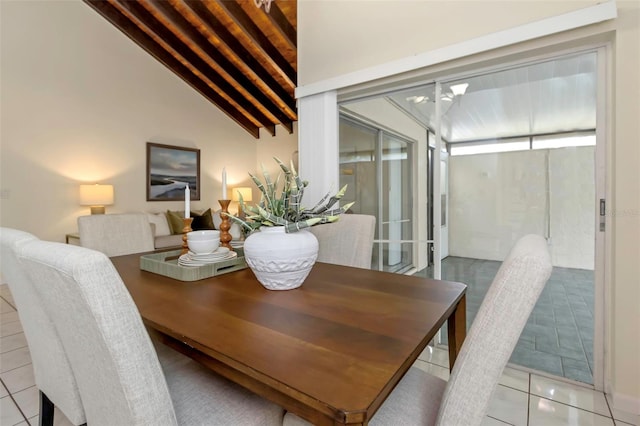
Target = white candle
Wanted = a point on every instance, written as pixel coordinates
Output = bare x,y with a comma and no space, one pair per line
187,202
224,183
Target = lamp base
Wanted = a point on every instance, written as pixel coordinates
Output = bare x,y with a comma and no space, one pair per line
97,210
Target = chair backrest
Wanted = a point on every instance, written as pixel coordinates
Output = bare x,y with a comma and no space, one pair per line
495,332
51,368
111,355
116,234
349,241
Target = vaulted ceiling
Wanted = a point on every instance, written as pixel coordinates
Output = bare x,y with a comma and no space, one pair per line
238,56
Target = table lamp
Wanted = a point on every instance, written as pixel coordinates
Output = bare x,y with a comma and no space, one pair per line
96,196
246,196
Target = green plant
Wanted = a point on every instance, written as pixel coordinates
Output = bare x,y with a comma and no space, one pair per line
286,208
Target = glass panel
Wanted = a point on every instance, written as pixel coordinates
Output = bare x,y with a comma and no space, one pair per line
487,148
358,170
397,217
560,141
357,167
379,188
497,197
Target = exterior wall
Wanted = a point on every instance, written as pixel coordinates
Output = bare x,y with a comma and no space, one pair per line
368,33
497,198
79,102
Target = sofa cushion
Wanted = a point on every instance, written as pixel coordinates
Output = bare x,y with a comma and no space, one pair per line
168,241
174,218
159,220
202,221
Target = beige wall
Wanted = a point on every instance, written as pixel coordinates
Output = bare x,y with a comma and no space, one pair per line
363,34
79,102
337,37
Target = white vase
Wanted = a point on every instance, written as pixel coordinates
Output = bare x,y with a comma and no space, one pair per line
280,260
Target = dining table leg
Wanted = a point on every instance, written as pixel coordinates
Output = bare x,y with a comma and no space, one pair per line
457,330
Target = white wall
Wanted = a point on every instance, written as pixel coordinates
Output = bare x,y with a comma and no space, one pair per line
282,146
339,37
497,198
79,101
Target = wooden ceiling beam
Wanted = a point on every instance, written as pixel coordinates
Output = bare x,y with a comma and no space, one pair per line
227,66
131,30
241,19
280,21
215,26
182,49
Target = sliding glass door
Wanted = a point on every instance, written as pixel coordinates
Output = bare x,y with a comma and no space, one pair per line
376,165
479,161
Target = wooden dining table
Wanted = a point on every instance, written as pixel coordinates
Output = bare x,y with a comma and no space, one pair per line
330,351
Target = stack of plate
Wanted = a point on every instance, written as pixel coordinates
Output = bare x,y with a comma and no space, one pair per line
237,243
192,259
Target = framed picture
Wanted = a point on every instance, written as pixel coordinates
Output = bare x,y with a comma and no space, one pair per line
169,170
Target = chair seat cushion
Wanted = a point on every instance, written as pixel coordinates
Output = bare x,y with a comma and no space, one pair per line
201,396
414,401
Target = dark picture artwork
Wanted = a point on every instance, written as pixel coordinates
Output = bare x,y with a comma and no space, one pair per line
169,170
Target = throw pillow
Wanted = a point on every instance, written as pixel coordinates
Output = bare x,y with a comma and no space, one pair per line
160,222
175,221
202,221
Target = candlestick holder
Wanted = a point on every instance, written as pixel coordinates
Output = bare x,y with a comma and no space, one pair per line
225,225
187,228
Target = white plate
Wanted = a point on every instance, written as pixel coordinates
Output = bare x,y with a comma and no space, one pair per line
187,260
220,251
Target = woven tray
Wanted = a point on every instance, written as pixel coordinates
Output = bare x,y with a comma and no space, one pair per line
166,263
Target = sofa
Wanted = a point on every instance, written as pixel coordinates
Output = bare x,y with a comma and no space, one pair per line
167,226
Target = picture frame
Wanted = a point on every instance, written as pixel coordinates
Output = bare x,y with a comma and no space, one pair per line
168,169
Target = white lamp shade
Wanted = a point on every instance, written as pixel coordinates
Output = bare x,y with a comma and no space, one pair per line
96,195
246,194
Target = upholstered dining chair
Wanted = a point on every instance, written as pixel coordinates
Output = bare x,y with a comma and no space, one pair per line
52,371
120,379
116,234
423,399
348,242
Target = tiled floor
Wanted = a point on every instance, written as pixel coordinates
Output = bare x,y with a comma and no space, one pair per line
521,398
558,337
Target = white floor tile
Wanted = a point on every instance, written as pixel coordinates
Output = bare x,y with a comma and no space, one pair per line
5,307
19,378
9,413
14,359
28,401
9,299
544,412
5,292
436,370
3,391
435,356
9,317
622,416
516,379
509,405
576,396
10,328
490,421
12,342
